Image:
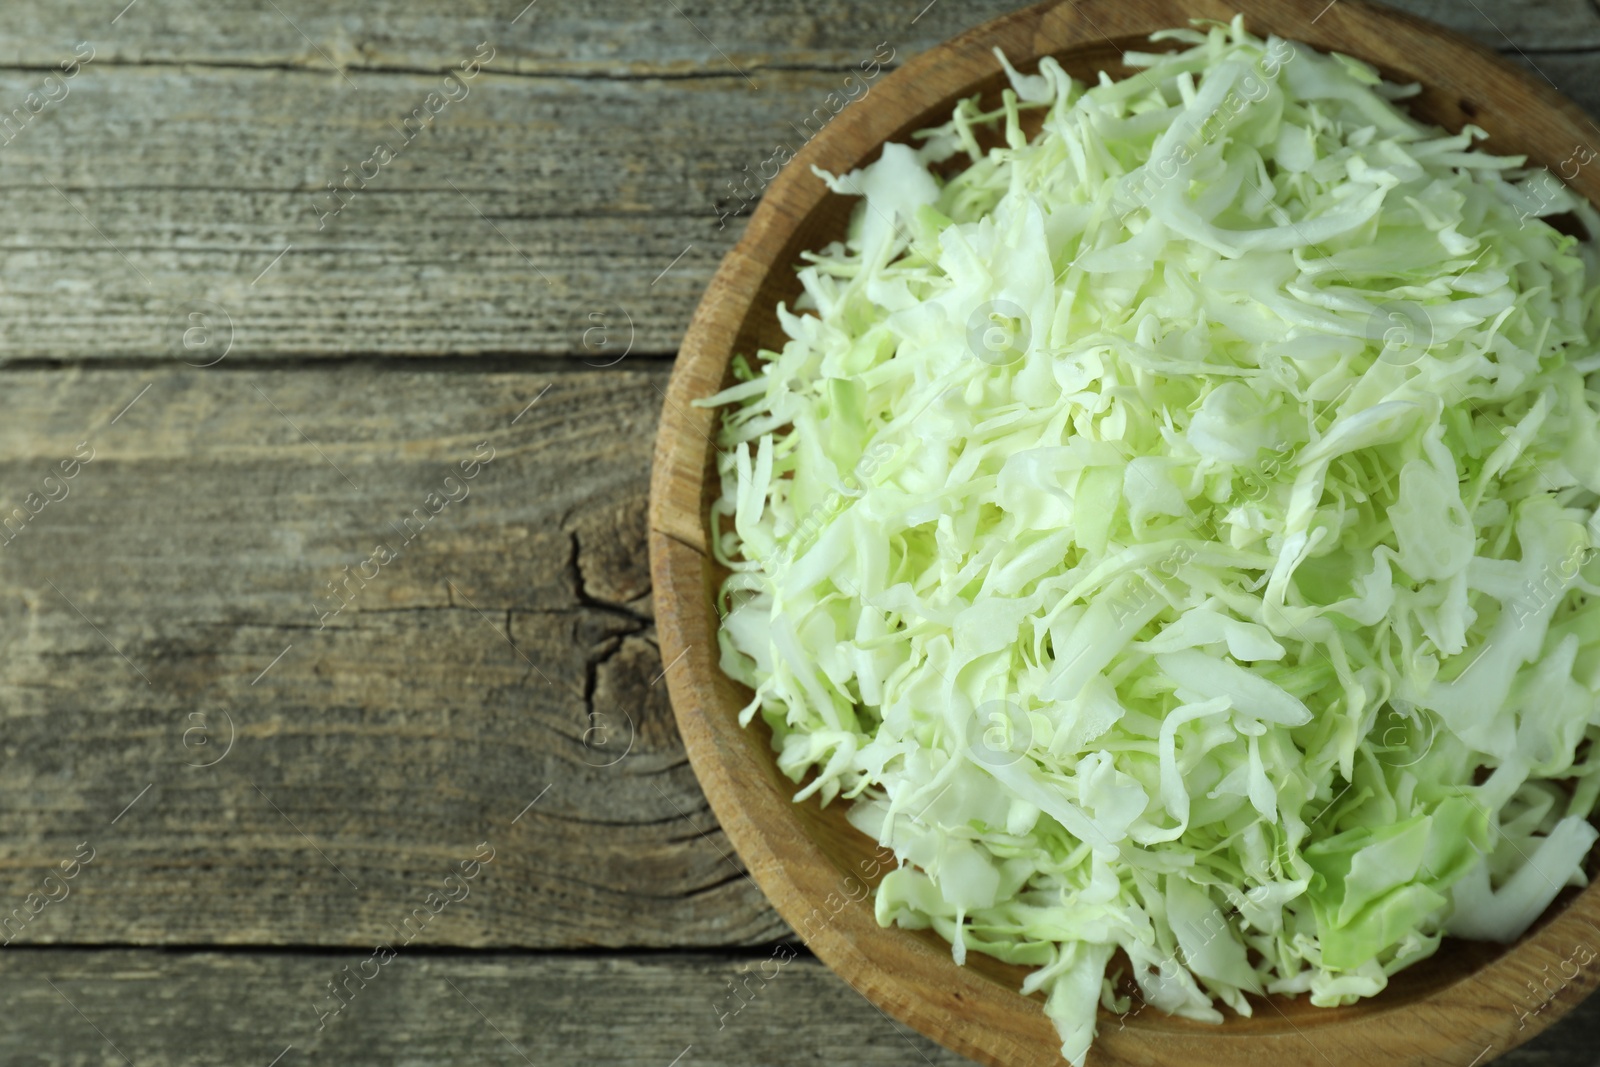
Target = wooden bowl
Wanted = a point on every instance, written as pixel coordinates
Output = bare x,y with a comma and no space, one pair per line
1472,1000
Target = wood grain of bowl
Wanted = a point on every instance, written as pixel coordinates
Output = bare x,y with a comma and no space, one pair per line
1468,1003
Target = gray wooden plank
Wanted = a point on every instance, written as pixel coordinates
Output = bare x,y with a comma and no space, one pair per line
1511,26
629,38
176,595
68,1008
507,223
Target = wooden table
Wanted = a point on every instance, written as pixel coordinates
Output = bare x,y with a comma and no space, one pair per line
272,659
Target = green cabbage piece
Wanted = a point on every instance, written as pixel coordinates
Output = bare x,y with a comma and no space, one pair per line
1174,531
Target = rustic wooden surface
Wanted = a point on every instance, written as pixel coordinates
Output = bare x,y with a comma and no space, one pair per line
204,1008
507,656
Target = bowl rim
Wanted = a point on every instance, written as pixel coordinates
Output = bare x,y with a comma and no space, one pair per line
1469,1018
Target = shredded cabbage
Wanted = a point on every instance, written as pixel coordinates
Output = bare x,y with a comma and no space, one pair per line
1174,532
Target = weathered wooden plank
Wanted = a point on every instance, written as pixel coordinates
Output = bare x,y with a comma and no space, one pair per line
184,571
1511,26
211,1008
205,1008
630,38
505,224
543,216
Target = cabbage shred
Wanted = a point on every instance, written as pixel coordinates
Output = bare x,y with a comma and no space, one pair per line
1174,532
